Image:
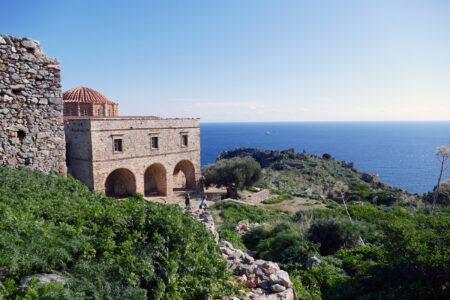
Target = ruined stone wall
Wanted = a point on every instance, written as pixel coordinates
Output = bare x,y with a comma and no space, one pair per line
32,130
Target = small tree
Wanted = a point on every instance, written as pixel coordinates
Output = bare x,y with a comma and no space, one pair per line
442,154
235,173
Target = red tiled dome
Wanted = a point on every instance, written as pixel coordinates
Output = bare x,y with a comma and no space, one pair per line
85,95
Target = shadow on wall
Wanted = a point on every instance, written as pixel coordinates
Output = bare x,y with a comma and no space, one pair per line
120,183
155,181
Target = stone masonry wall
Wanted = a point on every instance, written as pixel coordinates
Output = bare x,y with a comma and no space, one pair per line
32,129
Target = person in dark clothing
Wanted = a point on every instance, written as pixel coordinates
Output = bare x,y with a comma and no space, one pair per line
187,201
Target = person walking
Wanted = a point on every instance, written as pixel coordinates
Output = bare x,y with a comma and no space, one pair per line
187,201
203,204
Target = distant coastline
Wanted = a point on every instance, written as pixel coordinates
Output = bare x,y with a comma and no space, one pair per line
402,152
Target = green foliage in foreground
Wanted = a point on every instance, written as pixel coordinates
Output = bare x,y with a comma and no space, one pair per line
384,253
106,248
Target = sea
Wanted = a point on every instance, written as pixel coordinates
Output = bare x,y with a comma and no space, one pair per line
401,153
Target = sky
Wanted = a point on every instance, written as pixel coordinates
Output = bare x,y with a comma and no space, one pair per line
250,60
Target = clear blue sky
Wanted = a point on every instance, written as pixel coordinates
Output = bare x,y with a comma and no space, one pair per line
250,60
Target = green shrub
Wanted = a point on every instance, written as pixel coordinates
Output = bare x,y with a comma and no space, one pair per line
358,192
232,212
106,248
384,198
282,243
227,233
334,234
326,156
359,260
282,197
321,282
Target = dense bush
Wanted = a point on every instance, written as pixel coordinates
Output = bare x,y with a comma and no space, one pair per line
326,156
228,233
358,192
336,233
359,260
282,243
443,197
384,198
234,174
106,248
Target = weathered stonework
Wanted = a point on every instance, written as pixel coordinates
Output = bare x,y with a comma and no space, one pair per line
32,130
137,167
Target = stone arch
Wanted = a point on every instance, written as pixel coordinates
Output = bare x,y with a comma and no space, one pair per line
184,175
155,180
120,183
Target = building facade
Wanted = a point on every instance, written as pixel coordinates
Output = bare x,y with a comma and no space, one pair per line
123,155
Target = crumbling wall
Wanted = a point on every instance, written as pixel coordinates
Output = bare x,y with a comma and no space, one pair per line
31,107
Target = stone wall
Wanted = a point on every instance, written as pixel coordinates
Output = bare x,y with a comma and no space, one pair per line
32,130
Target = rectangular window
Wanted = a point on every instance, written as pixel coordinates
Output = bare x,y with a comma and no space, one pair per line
85,112
184,140
155,144
117,145
99,113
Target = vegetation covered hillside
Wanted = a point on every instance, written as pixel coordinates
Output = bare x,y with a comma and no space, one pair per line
380,253
105,248
308,175
383,245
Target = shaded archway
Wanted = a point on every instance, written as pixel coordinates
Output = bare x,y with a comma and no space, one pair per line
155,181
184,175
120,183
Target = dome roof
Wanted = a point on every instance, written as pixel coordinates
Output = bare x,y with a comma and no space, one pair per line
85,95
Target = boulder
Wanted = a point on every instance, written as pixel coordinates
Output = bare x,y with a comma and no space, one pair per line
226,244
367,178
269,267
277,288
265,284
246,269
43,279
313,261
281,277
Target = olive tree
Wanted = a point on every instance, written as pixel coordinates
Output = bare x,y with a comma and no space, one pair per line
234,174
442,154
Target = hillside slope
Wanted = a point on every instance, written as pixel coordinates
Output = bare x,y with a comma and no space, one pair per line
105,248
321,177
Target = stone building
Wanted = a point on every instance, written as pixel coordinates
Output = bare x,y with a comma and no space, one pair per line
31,118
123,155
83,101
118,155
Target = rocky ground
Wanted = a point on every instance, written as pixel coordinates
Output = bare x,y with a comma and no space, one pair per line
264,279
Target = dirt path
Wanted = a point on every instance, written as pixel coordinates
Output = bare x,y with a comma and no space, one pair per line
254,199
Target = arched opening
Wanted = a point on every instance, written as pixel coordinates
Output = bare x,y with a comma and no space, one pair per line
155,181
120,183
184,176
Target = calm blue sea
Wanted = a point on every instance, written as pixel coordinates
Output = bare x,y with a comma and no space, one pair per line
402,153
